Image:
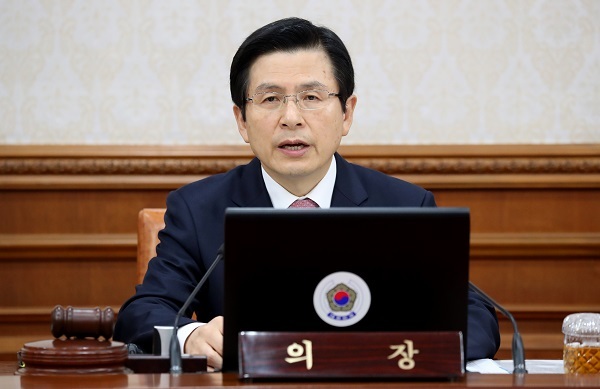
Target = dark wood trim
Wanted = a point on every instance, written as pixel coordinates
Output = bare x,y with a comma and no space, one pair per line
50,247
535,245
494,246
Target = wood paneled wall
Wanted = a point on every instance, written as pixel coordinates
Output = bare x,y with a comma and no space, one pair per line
68,224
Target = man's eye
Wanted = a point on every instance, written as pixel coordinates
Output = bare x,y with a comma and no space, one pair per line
270,99
312,97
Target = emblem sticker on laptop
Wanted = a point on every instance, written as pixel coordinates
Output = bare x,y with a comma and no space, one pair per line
342,299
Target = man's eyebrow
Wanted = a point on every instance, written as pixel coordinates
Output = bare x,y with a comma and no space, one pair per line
312,85
267,87
274,87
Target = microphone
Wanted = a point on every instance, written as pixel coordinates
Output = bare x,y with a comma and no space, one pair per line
174,346
518,351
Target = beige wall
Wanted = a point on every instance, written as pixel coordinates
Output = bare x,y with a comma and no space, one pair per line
428,72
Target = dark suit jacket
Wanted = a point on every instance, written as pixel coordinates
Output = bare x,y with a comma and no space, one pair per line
194,232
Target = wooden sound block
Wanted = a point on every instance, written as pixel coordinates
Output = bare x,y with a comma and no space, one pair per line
73,356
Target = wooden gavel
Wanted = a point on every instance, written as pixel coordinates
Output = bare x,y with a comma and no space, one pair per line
82,322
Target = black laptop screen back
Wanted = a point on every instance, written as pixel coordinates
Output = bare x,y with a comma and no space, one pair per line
414,262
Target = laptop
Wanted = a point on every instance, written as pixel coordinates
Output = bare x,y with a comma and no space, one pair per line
399,269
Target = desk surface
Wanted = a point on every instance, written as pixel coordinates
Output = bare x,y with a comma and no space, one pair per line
215,380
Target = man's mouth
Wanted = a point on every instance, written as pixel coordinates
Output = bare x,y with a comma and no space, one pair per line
293,146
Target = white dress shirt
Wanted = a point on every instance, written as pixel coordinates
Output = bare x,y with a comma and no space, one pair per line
320,194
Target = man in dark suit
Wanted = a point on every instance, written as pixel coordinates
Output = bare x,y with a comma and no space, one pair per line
292,85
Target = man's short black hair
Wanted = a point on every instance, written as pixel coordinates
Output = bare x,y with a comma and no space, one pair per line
288,35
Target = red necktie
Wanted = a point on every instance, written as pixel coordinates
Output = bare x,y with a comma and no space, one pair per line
304,203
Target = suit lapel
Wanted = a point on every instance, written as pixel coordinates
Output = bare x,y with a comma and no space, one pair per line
250,189
348,190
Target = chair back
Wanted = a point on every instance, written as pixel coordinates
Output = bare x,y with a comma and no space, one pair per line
150,221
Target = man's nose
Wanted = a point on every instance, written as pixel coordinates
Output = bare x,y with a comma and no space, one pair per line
293,99
291,115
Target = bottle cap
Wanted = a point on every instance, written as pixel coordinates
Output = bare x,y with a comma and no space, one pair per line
582,324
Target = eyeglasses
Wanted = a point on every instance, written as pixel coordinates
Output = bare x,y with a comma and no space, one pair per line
307,100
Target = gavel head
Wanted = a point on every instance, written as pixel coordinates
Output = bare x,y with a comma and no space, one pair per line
82,322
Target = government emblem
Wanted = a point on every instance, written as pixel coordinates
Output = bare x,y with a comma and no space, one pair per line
342,299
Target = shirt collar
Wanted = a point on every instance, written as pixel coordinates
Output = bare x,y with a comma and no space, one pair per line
321,194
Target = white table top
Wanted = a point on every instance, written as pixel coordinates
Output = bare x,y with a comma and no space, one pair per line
533,366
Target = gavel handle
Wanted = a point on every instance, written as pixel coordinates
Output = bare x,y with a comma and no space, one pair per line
82,322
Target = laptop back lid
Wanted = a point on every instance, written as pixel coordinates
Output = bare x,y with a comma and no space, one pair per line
344,269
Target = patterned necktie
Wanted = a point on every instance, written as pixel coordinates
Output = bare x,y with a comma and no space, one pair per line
304,203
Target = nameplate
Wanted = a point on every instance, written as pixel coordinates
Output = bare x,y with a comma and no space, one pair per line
350,355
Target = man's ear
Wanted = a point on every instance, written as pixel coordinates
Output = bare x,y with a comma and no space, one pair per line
349,114
241,123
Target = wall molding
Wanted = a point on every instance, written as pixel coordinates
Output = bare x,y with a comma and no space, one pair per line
451,166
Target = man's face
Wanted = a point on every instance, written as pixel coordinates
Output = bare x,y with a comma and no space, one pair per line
295,146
